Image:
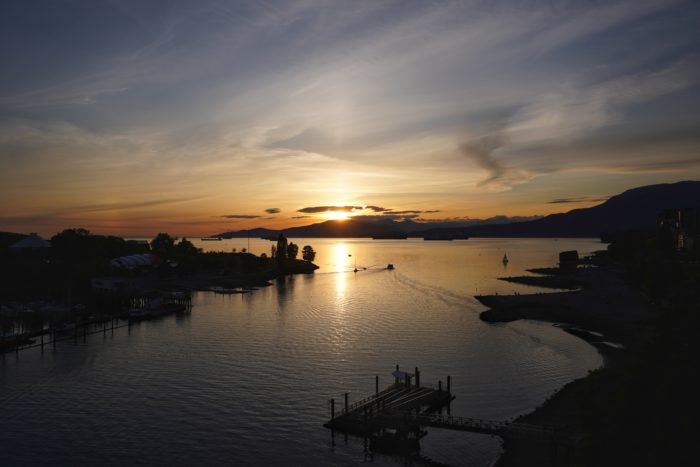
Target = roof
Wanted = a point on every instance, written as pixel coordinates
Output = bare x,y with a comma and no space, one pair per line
135,261
31,241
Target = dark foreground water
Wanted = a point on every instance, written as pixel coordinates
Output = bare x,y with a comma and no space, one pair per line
246,379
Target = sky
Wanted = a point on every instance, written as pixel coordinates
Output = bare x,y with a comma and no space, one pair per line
193,118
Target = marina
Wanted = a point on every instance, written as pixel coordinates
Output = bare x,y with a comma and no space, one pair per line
116,312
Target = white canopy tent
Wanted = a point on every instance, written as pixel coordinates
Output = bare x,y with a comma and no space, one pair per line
32,241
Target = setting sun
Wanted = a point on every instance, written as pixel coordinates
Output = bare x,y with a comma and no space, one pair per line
337,215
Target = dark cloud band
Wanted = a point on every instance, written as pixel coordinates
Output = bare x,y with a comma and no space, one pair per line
317,209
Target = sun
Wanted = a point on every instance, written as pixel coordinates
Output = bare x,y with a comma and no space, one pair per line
337,215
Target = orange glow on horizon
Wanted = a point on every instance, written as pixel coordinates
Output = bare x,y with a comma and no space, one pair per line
337,215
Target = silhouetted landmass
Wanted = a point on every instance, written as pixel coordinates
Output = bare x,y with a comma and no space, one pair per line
640,408
76,257
362,227
558,281
635,209
253,233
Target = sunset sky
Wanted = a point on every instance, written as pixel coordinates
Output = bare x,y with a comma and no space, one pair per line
197,117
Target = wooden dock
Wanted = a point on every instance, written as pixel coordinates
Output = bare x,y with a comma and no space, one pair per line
84,326
395,419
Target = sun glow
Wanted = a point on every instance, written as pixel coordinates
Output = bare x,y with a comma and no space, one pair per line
337,215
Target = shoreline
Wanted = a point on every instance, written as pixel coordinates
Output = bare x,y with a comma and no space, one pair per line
207,281
609,314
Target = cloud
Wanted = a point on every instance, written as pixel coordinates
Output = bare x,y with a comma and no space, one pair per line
129,205
415,101
406,213
443,219
468,221
482,151
240,216
272,210
580,199
384,217
301,217
399,213
376,208
317,209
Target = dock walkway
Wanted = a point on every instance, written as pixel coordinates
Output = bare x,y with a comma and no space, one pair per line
398,415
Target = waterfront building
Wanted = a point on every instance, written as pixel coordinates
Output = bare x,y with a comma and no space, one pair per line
677,228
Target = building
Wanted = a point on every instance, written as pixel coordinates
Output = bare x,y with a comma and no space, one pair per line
677,228
568,259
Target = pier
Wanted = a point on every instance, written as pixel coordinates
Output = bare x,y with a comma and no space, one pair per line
117,312
395,418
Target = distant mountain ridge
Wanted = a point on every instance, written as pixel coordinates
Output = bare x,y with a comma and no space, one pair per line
366,226
634,209
637,209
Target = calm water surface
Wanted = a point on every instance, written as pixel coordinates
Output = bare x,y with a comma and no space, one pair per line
246,379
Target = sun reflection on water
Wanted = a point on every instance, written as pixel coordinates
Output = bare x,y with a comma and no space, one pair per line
341,256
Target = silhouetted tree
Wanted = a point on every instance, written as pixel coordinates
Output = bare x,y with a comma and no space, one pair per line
308,253
281,248
292,250
163,245
186,254
185,248
72,243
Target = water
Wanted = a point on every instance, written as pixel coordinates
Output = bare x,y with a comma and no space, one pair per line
246,379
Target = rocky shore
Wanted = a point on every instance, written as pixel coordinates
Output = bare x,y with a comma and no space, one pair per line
606,303
608,312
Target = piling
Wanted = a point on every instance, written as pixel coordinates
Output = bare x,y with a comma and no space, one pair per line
449,384
346,402
376,384
417,378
